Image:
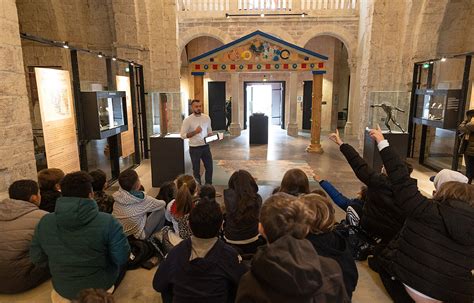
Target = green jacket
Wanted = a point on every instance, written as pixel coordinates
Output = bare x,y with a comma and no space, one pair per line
467,130
84,248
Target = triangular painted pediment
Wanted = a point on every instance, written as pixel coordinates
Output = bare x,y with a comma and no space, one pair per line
258,51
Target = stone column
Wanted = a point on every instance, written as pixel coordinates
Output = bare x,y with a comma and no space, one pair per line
17,159
198,86
317,97
353,108
292,128
235,127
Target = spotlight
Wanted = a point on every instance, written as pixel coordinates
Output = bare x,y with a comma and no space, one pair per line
443,59
302,15
100,55
132,64
66,44
262,15
114,59
431,62
227,16
264,78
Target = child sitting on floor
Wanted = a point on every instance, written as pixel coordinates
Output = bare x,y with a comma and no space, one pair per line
140,214
50,190
207,191
328,242
288,269
177,211
167,192
104,201
201,268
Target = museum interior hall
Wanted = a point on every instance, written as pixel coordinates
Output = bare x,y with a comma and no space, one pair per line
236,151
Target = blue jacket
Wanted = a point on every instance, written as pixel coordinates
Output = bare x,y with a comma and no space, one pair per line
338,198
84,247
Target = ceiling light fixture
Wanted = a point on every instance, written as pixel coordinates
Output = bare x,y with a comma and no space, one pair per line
100,55
66,44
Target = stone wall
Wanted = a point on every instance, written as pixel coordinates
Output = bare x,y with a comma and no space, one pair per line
17,160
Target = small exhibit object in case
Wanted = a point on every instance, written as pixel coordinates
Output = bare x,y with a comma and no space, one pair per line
437,107
105,114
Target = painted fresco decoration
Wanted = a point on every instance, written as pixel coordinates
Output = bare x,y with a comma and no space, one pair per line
258,52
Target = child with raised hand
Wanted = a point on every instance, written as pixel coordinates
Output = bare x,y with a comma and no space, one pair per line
380,217
288,268
327,241
140,214
433,253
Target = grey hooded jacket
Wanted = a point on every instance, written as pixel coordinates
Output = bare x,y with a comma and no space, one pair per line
18,220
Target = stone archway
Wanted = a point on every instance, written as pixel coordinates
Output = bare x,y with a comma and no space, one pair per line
336,83
200,31
349,39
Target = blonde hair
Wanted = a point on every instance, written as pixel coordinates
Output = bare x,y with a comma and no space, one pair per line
453,190
283,214
324,213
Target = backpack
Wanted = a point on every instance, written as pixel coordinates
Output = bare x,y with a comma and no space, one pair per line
143,253
360,243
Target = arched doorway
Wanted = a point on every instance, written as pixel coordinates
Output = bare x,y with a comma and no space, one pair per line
192,49
336,85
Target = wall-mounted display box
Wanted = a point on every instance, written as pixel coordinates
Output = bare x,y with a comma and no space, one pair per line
437,107
105,114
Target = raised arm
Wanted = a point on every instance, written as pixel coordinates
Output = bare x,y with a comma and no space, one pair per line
363,171
407,195
399,109
338,198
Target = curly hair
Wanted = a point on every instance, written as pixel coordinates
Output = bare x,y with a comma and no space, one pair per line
283,214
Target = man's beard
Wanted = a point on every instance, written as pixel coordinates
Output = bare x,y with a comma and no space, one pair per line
197,112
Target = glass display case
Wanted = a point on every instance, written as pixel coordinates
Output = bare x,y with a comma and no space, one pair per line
437,107
390,110
110,113
162,106
105,114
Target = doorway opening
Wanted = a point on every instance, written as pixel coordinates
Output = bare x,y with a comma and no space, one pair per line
267,97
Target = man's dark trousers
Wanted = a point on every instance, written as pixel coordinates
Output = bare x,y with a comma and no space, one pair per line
197,153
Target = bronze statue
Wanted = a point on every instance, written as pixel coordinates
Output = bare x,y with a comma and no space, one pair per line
388,109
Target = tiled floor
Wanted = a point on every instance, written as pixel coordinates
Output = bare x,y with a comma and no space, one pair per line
269,163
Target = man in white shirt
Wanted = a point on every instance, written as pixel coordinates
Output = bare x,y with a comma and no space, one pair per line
196,127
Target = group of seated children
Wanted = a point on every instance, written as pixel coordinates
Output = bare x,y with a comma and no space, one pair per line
287,248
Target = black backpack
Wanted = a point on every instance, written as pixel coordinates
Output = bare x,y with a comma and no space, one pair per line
141,253
361,244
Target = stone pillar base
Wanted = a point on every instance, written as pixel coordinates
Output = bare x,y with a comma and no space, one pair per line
235,129
292,130
315,148
348,128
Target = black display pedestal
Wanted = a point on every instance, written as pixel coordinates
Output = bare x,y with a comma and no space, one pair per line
258,129
169,158
399,141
